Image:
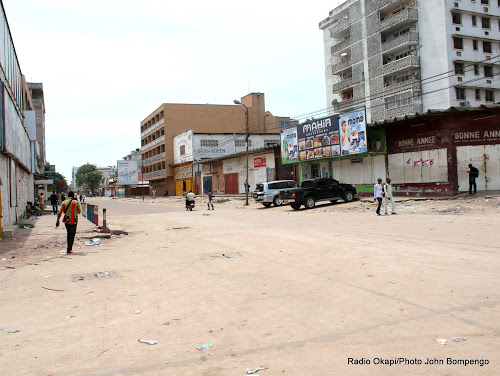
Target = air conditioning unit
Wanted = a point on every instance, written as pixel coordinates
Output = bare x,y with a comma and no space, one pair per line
459,79
459,53
455,5
457,29
485,9
464,104
488,81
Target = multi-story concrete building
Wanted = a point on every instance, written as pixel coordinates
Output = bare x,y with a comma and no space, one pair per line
399,57
38,102
168,120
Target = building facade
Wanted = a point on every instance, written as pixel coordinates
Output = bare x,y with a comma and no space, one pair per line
16,152
159,128
398,57
191,149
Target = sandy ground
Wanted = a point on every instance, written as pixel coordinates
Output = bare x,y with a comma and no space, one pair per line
300,292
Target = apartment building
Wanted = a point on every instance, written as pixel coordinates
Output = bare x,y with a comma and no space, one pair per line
159,128
399,57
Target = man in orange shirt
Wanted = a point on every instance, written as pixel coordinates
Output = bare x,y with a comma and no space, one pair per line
71,208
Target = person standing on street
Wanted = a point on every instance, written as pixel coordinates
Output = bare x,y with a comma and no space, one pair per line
42,202
53,202
71,208
378,194
210,198
388,196
473,174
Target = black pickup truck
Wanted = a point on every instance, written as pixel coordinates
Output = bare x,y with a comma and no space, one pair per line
314,190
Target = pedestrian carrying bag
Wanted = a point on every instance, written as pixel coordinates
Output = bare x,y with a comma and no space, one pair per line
67,218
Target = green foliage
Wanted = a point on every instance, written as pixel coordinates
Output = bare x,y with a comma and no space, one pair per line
89,176
58,178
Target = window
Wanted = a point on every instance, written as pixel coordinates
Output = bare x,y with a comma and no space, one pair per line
183,149
271,143
242,142
488,71
456,18
485,2
489,95
475,45
459,68
398,100
460,93
476,69
210,143
485,22
487,47
458,43
474,21
478,94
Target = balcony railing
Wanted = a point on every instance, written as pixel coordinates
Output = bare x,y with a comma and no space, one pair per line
341,25
409,109
395,66
413,85
153,127
404,15
342,45
406,38
153,174
341,85
153,143
342,65
347,104
154,158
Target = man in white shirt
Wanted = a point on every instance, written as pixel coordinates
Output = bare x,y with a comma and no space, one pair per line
388,196
378,195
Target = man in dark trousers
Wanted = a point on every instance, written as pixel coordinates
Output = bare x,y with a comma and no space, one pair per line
71,208
473,174
53,202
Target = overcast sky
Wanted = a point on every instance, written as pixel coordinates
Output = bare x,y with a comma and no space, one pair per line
107,64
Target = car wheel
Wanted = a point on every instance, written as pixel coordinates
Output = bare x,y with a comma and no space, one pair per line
333,201
348,197
267,204
310,203
277,201
295,206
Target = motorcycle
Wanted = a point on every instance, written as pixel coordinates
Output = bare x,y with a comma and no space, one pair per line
189,205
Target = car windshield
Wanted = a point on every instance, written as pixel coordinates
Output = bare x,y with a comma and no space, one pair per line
259,188
307,184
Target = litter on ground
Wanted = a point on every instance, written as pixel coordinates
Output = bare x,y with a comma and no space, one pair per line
148,341
7,330
202,347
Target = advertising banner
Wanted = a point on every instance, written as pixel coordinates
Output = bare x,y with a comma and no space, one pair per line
289,146
352,129
128,172
319,138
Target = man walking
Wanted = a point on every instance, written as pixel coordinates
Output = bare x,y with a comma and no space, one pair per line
53,202
378,195
71,208
388,196
210,198
473,174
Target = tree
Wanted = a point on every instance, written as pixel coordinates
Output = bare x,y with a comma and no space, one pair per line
88,175
58,178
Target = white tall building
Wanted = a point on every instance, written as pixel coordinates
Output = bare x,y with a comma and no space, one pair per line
399,57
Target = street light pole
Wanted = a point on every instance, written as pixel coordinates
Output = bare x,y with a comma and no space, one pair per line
247,185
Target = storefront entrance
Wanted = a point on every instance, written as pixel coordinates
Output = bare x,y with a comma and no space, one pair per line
483,157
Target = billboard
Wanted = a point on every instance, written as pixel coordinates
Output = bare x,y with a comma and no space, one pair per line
332,136
128,172
289,146
352,129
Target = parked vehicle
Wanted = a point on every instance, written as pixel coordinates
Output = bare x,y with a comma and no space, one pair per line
314,190
269,193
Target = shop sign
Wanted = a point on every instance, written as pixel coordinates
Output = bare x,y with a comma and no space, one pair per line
259,162
183,172
472,136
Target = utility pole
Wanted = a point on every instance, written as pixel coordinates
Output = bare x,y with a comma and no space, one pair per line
247,185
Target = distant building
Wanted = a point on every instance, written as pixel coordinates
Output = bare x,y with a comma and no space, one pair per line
400,57
192,149
159,128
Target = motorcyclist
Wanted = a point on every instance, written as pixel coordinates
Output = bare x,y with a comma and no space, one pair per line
190,198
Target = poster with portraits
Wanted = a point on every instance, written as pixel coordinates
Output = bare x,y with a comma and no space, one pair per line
352,133
289,146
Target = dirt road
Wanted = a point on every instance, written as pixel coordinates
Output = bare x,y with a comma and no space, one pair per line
301,292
